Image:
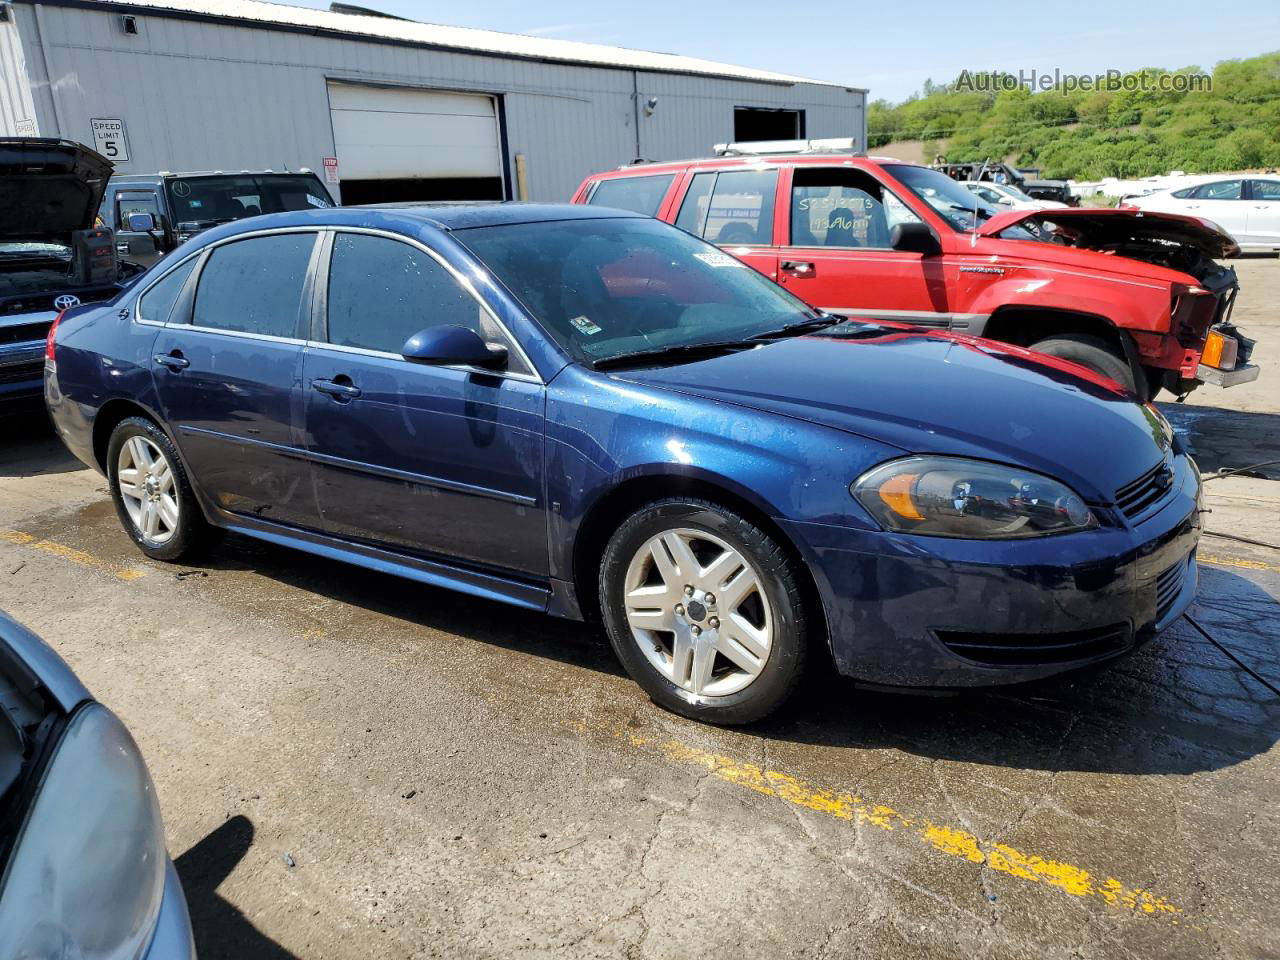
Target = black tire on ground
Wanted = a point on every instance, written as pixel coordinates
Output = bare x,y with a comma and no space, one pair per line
778,581
1098,355
191,530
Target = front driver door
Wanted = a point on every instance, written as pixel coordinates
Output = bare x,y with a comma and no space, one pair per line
1264,212
839,258
444,461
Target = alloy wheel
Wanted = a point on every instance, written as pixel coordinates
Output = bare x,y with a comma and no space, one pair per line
697,609
148,489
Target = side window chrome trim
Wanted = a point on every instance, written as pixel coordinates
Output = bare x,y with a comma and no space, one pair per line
462,281
385,355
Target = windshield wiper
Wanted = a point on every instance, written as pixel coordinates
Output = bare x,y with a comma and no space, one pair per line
978,212
804,326
681,353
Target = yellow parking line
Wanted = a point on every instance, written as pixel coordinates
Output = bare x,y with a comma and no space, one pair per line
71,553
1237,562
950,841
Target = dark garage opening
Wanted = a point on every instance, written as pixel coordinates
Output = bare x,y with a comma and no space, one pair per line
415,188
761,123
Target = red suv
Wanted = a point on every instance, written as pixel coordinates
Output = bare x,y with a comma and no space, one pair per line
1136,297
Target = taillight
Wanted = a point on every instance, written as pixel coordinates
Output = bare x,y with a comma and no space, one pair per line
49,353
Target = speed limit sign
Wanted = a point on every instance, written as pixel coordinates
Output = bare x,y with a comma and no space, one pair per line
109,139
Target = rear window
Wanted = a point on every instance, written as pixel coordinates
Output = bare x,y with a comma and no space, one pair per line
637,194
733,207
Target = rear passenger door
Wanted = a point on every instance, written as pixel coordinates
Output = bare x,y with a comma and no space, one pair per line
735,210
226,370
415,458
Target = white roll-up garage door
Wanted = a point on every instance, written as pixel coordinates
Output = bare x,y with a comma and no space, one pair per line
398,134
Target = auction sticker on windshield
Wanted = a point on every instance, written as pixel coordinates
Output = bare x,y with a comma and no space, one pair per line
585,326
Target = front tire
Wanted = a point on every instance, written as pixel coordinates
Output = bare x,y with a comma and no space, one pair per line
704,610
1096,354
152,495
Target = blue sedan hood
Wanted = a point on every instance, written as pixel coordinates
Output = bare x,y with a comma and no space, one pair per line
938,393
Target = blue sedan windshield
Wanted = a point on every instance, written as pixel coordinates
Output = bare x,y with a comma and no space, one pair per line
611,287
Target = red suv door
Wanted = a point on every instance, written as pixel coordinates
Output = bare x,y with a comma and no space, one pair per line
736,210
835,222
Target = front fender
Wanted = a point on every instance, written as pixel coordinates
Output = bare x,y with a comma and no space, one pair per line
603,433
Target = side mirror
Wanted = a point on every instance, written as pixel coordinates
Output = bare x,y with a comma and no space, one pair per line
446,346
914,238
142,222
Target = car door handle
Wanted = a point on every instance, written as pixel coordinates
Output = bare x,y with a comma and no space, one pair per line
174,361
801,268
339,391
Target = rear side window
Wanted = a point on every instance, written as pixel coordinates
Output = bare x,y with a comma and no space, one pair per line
157,303
382,292
1220,190
637,194
734,207
255,285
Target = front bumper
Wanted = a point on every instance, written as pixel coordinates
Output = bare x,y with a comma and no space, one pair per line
931,612
172,939
1244,373
21,370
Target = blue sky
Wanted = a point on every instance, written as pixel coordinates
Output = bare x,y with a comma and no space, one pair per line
889,46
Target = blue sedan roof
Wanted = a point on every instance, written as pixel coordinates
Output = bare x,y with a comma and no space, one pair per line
460,216
442,216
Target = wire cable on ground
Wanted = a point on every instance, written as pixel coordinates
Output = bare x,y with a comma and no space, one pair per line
1224,472
1232,536
1240,663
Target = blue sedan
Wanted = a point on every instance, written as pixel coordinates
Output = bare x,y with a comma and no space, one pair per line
596,415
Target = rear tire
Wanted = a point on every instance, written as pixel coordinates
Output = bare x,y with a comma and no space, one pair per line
152,495
704,610
1098,355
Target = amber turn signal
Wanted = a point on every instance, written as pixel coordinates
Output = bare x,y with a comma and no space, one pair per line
1219,351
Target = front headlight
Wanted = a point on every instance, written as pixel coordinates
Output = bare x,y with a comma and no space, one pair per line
87,874
970,499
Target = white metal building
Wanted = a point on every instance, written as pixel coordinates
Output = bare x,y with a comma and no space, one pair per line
405,110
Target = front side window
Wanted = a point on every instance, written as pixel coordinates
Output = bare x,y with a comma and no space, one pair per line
605,288
637,194
1265,189
157,303
255,285
842,208
383,291
732,207
959,207
1220,190
130,203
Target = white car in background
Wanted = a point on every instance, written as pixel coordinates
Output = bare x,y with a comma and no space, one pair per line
1247,207
1009,197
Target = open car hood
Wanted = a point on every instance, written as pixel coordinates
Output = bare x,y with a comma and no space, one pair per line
49,188
1103,228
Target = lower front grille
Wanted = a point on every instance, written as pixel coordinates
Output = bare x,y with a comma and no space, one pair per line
20,372
1168,586
1035,649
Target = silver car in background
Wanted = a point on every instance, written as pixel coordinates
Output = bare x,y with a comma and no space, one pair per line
83,866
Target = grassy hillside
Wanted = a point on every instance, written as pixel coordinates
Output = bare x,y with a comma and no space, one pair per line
1100,133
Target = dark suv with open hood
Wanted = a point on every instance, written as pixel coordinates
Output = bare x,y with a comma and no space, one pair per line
52,256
